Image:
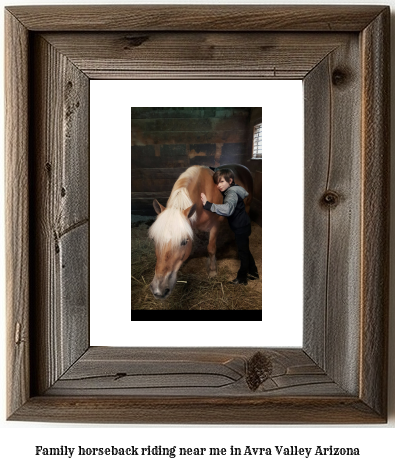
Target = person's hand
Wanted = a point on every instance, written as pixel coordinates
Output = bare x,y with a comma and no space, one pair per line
203,198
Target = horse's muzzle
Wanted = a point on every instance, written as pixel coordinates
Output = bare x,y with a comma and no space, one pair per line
162,287
158,295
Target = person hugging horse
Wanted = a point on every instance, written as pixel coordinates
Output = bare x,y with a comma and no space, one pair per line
234,209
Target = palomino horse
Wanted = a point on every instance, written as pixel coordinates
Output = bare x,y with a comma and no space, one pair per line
173,229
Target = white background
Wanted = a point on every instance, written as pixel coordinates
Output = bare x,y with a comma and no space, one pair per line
282,232
17,440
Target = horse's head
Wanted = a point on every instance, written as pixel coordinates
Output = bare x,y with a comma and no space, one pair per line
173,235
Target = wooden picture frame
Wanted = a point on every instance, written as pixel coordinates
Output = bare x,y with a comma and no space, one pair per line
340,374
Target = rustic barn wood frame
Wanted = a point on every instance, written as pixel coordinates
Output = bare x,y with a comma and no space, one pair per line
340,374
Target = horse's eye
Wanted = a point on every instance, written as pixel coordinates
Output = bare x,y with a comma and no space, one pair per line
184,242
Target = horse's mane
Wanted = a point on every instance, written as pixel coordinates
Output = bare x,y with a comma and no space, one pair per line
171,225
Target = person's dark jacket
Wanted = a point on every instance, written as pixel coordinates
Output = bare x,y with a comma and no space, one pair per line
233,208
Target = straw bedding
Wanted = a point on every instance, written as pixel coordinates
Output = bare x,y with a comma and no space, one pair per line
194,289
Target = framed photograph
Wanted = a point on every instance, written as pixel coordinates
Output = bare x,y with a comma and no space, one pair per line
339,374
168,139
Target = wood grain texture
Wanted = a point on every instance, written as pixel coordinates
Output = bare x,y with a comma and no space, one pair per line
60,185
375,211
189,112
17,212
149,55
194,17
332,214
188,372
194,386
197,410
176,137
339,376
149,179
316,218
74,293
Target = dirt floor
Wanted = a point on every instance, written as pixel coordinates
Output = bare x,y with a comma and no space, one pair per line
194,289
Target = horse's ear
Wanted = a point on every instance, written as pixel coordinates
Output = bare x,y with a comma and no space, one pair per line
158,207
190,211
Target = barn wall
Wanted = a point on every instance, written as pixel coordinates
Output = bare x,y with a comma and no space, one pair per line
166,141
255,166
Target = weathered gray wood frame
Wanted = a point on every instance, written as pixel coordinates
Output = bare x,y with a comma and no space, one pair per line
340,374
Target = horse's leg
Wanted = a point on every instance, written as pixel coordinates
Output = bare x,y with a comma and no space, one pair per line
212,248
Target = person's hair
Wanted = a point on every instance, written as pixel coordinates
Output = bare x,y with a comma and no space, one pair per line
226,173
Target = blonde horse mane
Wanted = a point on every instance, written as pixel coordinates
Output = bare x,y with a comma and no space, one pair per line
171,225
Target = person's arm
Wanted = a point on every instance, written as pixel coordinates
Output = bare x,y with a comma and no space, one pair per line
225,209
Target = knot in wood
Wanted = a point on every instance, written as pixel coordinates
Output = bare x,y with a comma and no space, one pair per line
259,369
330,199
339,77
135,41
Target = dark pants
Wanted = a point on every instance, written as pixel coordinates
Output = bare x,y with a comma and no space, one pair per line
247,262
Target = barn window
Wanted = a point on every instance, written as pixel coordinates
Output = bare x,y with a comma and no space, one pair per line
257,143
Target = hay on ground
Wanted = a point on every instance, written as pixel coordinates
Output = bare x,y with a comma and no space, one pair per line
194,290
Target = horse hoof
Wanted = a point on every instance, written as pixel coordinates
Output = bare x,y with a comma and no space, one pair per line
212,273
